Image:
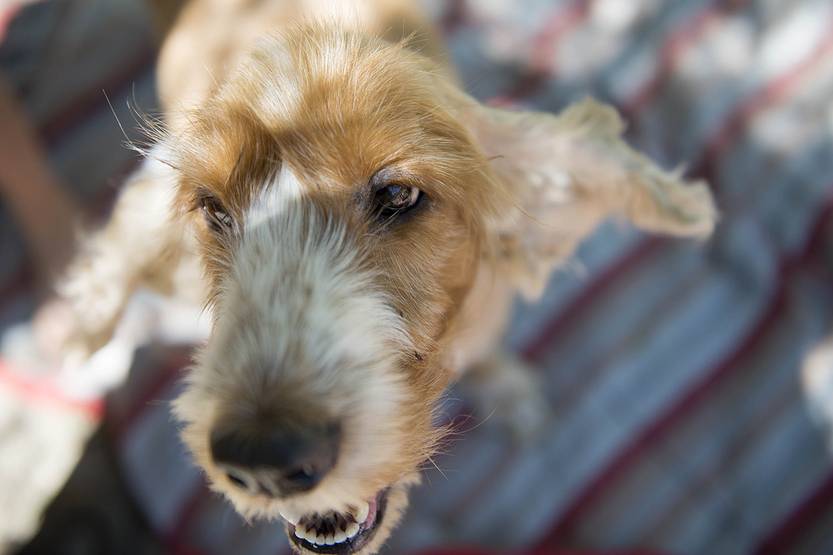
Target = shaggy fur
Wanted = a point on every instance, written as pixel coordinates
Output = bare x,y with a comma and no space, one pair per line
280,128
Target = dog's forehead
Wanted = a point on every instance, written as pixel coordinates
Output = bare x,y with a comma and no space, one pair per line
313,69
337,109
343,106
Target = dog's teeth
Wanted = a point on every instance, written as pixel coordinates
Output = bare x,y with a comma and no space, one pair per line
352,530
328,531
312,536
362,512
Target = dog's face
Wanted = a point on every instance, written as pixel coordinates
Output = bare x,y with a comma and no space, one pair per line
343,200
340,209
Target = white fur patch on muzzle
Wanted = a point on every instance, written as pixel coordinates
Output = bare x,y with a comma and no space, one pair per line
302,331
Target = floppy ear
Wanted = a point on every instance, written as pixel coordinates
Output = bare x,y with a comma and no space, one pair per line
565,174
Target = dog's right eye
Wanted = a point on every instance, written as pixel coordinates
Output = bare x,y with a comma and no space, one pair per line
394,200
215,215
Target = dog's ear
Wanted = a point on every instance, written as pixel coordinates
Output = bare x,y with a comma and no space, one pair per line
564,174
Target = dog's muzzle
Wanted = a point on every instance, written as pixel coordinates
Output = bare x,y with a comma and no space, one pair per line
281,461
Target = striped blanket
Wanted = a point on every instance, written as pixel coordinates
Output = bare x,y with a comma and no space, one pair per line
688,415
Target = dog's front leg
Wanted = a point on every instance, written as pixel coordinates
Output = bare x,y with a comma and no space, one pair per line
141,244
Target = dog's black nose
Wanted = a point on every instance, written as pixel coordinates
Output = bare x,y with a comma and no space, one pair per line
278,461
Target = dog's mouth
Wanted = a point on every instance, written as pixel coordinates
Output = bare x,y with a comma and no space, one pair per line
336,532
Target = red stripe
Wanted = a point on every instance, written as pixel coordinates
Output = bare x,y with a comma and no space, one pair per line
773,93
636,257
766,416
587,376
6,17
542,66
792,528
47,391
565,525
677,44
176,541
555,29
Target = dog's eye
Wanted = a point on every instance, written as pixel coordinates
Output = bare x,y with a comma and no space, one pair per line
215,215
396,199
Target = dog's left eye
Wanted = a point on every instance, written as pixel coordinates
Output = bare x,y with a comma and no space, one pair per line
215,215
396,199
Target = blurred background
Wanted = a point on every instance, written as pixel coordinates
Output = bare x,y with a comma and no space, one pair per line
692,385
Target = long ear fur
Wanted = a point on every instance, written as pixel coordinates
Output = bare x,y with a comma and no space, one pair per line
565,174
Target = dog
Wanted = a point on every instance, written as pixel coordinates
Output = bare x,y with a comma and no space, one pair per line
357,227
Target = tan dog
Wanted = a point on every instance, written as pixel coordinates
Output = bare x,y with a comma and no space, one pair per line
363,226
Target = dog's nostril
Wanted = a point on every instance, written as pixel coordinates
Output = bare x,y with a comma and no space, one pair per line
279,461
237,480
303,478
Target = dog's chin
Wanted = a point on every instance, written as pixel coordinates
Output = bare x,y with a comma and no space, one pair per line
335,533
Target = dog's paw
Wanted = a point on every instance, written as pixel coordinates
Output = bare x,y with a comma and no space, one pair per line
95,289
507,391
528,417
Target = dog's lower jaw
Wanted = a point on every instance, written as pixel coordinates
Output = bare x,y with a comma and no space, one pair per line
390,505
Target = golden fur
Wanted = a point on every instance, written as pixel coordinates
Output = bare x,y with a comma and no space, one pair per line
261,94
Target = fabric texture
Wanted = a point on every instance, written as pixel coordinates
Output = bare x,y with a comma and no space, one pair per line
684,418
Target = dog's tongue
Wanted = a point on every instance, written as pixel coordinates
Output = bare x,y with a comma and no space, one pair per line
371,514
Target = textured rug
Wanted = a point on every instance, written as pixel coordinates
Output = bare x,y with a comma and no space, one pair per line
691,391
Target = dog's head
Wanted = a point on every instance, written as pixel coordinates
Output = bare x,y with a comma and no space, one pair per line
345,194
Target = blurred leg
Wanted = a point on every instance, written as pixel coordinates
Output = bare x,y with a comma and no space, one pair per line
33,193
507,389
